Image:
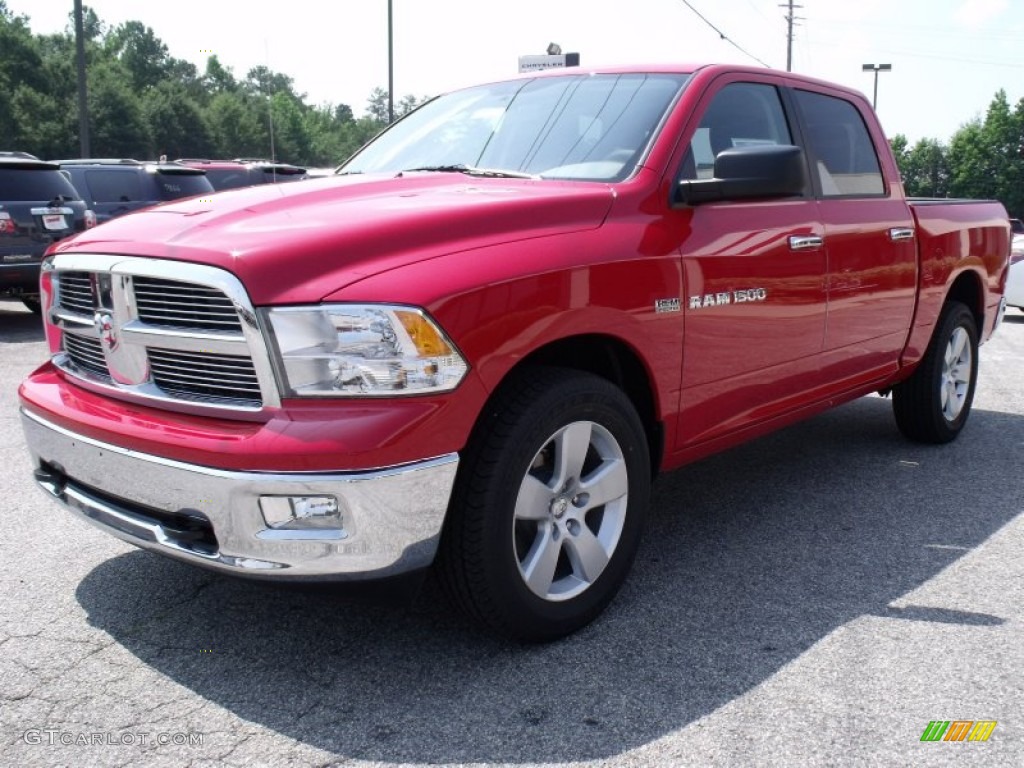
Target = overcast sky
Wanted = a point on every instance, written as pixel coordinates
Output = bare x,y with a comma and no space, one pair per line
948,57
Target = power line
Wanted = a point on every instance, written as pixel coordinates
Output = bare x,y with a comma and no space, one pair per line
723,36
831,44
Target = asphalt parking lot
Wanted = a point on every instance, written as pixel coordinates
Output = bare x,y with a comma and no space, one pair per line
814,598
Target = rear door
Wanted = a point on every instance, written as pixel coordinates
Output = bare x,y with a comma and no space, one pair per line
869,239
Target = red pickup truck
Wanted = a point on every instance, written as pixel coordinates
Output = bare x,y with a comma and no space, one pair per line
476,345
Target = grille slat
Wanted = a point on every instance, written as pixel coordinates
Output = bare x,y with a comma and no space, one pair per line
86,353
76,292
182,305
205,374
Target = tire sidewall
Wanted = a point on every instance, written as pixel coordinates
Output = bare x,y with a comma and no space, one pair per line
958,316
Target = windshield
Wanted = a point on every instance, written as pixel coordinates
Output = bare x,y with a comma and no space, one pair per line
585,127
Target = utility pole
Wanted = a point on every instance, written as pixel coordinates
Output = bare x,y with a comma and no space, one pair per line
83,102
790,22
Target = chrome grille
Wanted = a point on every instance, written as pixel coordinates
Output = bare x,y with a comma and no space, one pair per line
174,304
175,335
76,292
204,375
86,353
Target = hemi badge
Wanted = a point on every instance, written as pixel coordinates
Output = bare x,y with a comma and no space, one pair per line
666,305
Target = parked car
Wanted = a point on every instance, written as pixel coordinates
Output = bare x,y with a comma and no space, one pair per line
230,174
476,345
114,187
319,173
38,206
1015,281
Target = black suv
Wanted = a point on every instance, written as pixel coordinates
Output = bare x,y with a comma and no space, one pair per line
38,206
230,174
115,187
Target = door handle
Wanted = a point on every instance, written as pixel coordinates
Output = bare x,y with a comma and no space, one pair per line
805,242
896,234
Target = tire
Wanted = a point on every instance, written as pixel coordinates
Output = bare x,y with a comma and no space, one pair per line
33,304
932,406
548,507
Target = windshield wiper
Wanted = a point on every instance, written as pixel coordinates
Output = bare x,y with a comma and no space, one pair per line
471,171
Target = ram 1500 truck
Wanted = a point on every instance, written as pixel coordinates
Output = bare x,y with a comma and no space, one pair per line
475,346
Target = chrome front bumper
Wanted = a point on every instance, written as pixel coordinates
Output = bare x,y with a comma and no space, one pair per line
390,518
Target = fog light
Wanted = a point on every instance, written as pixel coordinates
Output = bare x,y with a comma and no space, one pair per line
301,512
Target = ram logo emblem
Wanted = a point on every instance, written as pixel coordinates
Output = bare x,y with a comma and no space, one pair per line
108,334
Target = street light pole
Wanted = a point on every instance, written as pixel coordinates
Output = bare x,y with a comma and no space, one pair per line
876,68
391,71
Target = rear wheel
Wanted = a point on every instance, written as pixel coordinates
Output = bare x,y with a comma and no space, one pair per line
932,406
32,303
548,507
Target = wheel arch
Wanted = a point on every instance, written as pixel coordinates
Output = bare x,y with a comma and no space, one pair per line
969,290
611,359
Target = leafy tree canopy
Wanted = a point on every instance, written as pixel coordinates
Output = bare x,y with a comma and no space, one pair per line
144,102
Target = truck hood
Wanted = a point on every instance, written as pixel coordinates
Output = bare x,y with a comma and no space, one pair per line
299,242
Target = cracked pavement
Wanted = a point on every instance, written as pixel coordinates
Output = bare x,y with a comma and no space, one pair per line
813,598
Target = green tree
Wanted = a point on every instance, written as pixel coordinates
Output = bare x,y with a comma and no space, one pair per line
263,81
143,102
117,125
985,156
20,67
143,55
925,169
291,138
237,127
218,78
176,125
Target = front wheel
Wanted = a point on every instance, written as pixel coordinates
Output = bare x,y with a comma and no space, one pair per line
548,507
932,406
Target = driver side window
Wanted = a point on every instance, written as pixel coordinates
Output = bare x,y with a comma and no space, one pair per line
740,115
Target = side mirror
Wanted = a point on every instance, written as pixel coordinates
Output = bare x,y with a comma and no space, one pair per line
744,173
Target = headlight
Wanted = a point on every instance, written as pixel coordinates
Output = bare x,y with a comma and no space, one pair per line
362,349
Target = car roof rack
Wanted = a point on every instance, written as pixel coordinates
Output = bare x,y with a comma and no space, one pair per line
99,161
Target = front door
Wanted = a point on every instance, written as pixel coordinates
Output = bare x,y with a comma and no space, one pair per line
754,281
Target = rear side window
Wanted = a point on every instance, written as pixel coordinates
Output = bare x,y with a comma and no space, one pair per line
30,185
739,115
221,179
114,186
841,146
175,185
